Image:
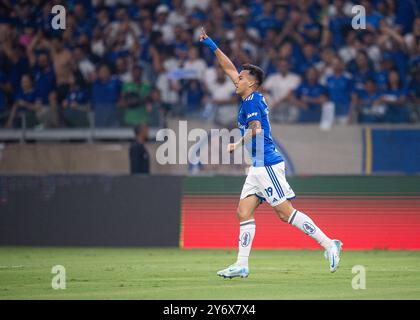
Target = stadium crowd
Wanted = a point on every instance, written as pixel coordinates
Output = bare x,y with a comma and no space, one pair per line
140,61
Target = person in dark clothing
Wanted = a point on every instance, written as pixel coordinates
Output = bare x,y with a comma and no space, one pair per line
139,157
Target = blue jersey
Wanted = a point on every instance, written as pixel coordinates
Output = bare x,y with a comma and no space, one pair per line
340,88
253,108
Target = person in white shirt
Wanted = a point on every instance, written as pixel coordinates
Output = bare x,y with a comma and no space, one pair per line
410,38
177,14
223,99
191,5
85,66
195,63
278,86
162,24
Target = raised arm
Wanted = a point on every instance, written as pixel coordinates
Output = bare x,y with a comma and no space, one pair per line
227,65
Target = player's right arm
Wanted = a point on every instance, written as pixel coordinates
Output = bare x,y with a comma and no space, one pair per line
227,65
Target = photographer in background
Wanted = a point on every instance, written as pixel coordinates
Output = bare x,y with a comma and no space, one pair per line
139,157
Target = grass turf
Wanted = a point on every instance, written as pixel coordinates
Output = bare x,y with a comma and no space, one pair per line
149,273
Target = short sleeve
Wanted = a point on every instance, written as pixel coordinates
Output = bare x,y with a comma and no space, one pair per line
252,109
298,91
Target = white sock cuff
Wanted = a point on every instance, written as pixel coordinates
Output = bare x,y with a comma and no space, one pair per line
292,217
247,222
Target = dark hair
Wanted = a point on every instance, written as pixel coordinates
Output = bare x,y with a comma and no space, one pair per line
388,82
255,71
370,79
139,128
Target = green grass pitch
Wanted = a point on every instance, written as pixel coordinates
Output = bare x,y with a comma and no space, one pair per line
149,273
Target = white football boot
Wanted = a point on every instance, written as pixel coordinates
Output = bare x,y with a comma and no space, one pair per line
333,255
234,271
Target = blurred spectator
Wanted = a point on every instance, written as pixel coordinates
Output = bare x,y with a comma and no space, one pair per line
340,88
310,57
362,69
325,65
118,48
278,86
348,51
14,59
162,24
192,96
157,109
123,29
196,21
83,22
190,5
24,106
405,12
393,45
412,37
241,45
134,98
366,105
223,101
63,66
395,99
122,71
195,63
309,97
98,46
105,98
339,22
177,14
162,37
45,85
414,95
5,90
372,17
372,48
75,107
167,86
288,51
381,75
139,156
84,65
266,20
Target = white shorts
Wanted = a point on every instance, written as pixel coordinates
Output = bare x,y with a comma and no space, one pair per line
268,184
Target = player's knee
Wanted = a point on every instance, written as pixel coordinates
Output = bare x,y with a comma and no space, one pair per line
284,212
243,215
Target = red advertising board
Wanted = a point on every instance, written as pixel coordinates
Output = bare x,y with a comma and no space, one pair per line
360,222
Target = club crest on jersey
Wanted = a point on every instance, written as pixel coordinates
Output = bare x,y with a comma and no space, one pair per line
245,239
309,228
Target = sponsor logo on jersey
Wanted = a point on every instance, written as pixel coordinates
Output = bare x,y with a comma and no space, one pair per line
249,115
309,228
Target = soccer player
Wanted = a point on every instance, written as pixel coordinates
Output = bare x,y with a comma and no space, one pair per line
265,181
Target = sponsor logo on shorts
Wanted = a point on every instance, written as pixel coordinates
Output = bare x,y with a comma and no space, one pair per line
309,228
245,239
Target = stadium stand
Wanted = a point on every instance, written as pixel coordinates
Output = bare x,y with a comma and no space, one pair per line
120,62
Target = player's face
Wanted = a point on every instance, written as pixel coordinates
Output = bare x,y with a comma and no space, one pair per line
244,82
